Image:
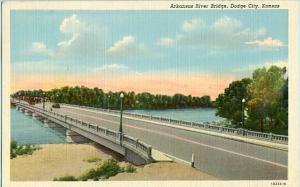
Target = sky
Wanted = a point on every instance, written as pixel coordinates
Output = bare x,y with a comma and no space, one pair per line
157,51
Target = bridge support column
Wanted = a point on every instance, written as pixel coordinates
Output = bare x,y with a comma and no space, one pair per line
132,157
28,112
74,137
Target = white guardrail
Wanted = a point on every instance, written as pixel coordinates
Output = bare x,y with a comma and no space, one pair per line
129,142
226,130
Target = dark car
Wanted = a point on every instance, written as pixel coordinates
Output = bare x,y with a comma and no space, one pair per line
56,105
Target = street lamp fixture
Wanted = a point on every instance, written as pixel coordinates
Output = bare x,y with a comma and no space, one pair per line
243,101
121,113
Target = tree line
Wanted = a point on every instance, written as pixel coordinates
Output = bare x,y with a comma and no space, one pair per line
95,97
259,103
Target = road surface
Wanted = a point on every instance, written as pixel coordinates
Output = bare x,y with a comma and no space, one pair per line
223,158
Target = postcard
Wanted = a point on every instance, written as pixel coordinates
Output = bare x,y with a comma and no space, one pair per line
150,93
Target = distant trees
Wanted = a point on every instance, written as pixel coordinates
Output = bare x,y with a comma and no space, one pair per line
266,101
98,98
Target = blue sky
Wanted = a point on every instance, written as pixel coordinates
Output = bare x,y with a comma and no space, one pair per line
147,43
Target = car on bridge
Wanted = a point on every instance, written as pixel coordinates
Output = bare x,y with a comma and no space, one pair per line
56,105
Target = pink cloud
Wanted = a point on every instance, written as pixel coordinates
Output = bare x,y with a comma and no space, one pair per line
268,42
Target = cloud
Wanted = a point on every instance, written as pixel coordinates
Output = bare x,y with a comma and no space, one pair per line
84,40
166,41
72,25
266,64
126,46
227,24
224,33
40,48
191,25
111,67
68,43
268,42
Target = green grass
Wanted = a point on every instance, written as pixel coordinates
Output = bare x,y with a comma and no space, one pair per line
16,149
93,159
66,178
129,169
107,169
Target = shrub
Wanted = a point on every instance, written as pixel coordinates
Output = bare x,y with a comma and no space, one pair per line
16,149
13,144
93,159
107,169
91,174
66,178
129,169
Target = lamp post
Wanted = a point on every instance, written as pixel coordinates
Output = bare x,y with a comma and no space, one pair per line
108,97
243,101
43,100
121,112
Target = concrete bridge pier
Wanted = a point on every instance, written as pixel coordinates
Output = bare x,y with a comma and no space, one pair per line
49,123
74,137
38,117
28,112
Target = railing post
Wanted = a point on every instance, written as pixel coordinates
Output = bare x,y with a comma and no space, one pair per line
193,160
136,143
65,118
270,136
149,151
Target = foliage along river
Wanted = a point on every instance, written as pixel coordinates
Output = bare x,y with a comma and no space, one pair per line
28,130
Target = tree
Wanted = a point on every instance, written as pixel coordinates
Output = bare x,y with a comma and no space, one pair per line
229,104
267,89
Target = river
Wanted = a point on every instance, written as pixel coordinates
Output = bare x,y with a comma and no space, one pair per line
191,114
28,130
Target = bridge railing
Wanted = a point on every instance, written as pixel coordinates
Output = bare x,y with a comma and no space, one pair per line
202,125
129,142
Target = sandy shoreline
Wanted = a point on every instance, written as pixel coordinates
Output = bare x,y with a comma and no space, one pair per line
56,160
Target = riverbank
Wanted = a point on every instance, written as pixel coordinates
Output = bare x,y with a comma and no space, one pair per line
56,160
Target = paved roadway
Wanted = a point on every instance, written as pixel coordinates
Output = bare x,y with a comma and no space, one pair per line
223,158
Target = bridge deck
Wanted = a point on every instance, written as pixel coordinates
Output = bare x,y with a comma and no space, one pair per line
223,158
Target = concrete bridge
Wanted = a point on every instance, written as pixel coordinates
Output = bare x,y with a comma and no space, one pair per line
229,156
132,149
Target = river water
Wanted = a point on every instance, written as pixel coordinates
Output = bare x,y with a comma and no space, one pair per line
192,114
28,130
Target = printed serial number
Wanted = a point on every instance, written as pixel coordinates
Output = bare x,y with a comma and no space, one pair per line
278,183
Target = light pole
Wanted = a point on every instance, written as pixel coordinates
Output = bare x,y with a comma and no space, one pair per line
243,101
43,100
108,97
121,112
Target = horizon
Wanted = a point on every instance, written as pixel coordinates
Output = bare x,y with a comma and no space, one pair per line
189,52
